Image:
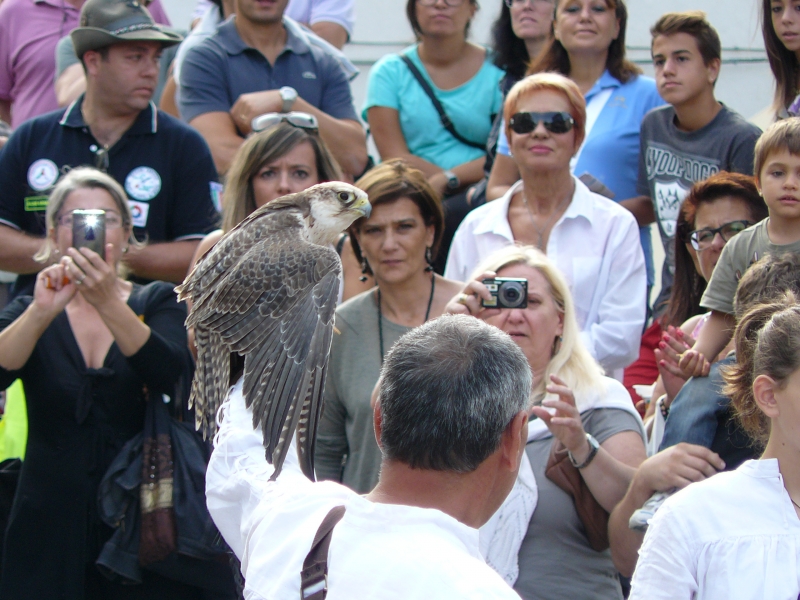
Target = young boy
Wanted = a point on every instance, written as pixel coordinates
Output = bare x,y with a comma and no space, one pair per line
692,137
777,166
688,140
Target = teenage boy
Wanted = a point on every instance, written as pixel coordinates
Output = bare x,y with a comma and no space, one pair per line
777,167
691,138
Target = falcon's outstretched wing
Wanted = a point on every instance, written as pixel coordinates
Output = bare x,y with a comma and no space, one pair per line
268,294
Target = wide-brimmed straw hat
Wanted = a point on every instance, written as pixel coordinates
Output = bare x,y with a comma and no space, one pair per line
107,22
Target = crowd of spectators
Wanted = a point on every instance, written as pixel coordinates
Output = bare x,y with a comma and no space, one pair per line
587,463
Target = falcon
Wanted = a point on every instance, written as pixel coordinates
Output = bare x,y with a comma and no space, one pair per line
267,292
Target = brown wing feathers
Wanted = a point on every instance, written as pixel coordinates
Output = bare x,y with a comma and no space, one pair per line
267,294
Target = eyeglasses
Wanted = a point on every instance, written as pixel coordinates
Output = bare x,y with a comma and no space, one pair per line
433,2
554,122
300,120
112,217
518,3
702,238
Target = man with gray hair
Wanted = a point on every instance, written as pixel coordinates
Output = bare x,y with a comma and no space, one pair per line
451,422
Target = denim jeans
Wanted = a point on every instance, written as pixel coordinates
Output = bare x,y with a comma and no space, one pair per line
693,414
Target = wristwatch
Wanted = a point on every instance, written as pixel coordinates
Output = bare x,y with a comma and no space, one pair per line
288,95
452,181
594,446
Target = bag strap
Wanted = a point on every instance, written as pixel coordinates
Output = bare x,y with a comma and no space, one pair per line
446,122
314,576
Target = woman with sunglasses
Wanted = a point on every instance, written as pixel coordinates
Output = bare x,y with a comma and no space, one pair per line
588,46
284,156
90,349
403,119
715,210
592,240
519,33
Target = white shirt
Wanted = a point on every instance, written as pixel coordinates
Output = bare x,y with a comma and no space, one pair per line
377,550
595,244
733,536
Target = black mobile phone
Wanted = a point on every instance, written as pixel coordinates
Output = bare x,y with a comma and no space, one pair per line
89,230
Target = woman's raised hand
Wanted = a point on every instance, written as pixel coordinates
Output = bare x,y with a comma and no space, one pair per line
565,424
54,289
468,301
95,278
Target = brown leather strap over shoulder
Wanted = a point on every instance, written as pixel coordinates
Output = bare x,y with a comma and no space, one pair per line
314,576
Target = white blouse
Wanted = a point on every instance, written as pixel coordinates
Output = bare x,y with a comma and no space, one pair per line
733,536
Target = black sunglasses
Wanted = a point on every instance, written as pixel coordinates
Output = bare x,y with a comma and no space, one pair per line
554,122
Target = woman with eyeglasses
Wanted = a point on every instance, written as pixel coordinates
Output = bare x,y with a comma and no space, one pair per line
588,46
284,156
461,76
90,349
592,240
715,210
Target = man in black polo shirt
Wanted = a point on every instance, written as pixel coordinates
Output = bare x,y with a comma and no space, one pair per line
164,165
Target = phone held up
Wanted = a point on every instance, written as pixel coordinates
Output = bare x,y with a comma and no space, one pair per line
89,230
507,292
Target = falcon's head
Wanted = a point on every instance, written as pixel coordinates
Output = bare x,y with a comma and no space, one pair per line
332,207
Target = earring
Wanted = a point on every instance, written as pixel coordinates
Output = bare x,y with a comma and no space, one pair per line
364,269
556,345
429,259
125,250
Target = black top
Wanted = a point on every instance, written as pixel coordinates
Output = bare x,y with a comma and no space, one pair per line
78,419
164,165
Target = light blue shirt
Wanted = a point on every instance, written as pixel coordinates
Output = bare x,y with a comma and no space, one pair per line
470,107
611,152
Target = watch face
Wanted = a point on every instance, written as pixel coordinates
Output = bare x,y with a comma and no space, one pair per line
143,183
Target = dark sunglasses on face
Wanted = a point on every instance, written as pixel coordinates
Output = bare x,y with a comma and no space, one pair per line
554,122
702,238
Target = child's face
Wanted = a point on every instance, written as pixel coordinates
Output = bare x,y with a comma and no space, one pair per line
681,74
779,182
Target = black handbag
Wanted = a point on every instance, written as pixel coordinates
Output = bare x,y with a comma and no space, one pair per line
182,541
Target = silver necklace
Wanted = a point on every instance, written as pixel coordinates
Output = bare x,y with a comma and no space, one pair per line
540,232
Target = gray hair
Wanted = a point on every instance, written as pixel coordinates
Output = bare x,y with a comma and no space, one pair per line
448,390
78,179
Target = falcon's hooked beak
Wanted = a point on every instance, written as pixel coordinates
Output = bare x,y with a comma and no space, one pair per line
362,205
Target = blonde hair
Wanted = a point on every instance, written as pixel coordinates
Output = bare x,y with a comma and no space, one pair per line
78,179
531,84
571,361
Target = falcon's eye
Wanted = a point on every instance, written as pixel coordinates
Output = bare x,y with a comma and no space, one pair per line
346,197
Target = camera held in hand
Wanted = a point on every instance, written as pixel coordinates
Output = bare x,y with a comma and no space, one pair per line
89,230
507,292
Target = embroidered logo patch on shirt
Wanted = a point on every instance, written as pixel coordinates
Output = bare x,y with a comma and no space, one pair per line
35,203
216,194
143,183
309,75
139,212
42,174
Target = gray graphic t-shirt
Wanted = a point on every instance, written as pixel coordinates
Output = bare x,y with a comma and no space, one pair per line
671,161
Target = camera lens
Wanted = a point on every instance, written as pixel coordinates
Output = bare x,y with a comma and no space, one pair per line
511,294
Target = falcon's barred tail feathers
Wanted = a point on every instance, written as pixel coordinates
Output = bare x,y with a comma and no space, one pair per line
267,291
211,380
